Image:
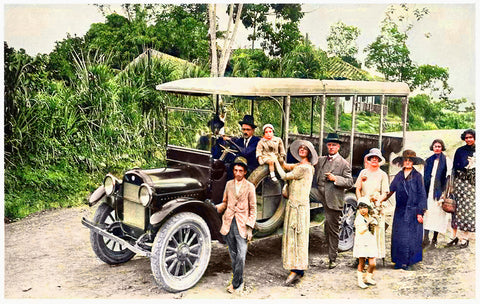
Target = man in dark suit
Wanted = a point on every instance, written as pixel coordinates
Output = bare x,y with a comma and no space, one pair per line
333,176
247,144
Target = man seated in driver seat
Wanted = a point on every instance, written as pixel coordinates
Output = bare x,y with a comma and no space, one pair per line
247,144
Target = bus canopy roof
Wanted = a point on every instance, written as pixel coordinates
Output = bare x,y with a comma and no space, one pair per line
277,87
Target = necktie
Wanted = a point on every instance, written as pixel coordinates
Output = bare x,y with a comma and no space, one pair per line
246,142
329,158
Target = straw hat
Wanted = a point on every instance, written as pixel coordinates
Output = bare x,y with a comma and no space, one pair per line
408,154
300,142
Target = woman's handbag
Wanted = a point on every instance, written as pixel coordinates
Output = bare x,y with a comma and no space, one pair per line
449,204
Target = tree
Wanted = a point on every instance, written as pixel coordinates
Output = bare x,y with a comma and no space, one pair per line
253,15
342,42
390,55
282,34
218,66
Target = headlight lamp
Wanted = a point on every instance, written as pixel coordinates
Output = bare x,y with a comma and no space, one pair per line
145,194
109,182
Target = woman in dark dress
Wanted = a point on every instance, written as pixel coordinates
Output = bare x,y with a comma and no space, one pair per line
411,203
463,220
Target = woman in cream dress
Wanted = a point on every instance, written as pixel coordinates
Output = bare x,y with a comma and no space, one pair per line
373,184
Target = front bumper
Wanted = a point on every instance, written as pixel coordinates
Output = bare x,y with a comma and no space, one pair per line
100,230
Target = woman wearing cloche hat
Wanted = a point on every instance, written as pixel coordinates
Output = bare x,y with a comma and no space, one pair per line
372,184
297,211
411,203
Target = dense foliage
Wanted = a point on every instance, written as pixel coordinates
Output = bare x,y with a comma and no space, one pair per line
86,109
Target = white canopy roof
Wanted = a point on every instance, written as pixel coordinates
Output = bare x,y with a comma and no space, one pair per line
263,87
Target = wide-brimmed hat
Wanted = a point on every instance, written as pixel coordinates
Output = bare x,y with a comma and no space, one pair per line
300,142
376,152
247,120
242,161
216,122
365,201
332,137
408,154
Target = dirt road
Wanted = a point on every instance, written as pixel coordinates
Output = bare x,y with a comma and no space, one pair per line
48,255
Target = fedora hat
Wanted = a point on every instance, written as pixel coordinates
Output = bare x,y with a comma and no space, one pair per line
247,120
408,154
332,137
375,152
300,142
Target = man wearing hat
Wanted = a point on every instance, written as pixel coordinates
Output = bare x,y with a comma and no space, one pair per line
240,207
333,176
247,143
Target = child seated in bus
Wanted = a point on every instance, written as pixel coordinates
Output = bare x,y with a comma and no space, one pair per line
270,148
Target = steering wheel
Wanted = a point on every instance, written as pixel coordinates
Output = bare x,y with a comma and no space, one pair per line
228,149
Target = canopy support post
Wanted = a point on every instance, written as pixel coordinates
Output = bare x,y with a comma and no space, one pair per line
380,128
352,135
322,123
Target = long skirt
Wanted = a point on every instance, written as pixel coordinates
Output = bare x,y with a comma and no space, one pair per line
464,193
295,236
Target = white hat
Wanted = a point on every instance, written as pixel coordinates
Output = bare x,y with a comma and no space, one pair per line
376,152
268,126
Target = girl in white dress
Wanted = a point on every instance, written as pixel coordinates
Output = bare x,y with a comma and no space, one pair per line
365,246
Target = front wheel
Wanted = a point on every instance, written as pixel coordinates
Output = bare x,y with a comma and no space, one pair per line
181,252
107,250
347,228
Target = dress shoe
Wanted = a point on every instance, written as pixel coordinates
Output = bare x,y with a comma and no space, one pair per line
332,264
291,278
452,242
425,243
240,288
463,244
434,243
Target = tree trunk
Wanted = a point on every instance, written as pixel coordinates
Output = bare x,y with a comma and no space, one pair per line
212,15
231,39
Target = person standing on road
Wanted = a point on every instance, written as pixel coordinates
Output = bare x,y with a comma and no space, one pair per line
463,220
365,246
437,171
334,175
296,225
240,207
411,203
372,184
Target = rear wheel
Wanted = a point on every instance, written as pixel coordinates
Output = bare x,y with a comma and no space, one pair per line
181,252
347,228
107,250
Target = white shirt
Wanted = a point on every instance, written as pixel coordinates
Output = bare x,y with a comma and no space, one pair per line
237,186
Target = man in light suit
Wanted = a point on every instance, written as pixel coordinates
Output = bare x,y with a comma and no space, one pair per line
240,206
333,176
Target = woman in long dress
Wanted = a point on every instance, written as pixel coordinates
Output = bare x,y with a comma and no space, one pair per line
437,170
463,220
411,203
372,183
296,224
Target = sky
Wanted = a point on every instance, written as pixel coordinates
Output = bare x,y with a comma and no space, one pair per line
451,26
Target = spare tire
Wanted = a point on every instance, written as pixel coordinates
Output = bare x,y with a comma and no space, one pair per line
270,225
